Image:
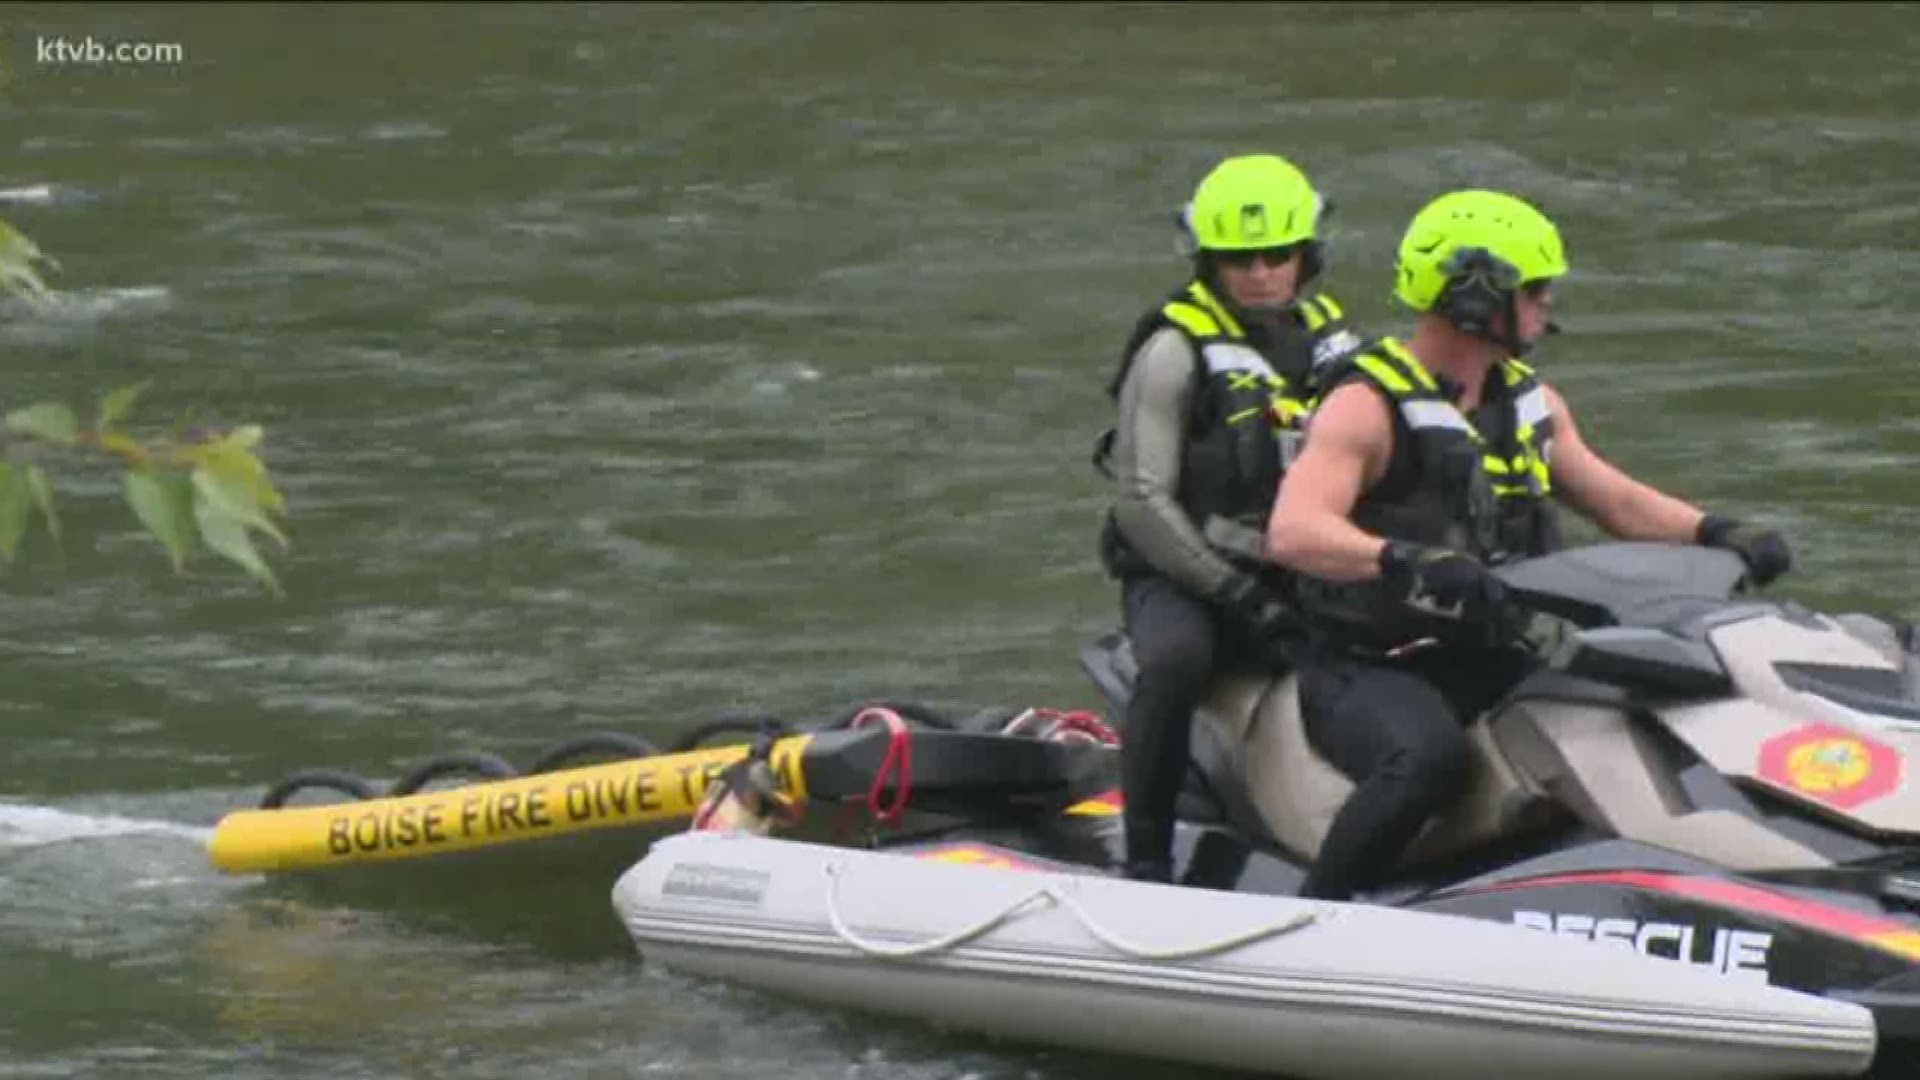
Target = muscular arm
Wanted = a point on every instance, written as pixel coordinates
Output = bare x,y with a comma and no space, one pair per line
1346,450
1148,443
1623,506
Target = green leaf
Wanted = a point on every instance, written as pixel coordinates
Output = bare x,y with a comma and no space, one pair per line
229,538
241,466
163,502
48,420
20,280
16,510
15,247
43,495
115,405
234,498
17,256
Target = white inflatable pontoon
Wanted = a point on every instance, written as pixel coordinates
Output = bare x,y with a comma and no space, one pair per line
1268,984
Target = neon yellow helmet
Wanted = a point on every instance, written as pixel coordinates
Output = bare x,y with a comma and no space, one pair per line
1469,250
1253,202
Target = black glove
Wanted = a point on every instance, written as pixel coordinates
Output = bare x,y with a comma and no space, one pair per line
1257,607
1450,578
1763,550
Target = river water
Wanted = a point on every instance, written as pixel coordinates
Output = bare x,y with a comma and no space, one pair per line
625,364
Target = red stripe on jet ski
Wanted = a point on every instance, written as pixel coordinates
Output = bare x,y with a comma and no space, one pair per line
974,854
1885,933
1105,804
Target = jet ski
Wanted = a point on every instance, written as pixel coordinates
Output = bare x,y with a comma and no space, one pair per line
1695,789
1692,773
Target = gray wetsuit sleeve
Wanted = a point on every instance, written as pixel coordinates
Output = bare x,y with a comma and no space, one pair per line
1148,444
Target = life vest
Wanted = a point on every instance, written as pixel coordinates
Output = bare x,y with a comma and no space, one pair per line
1481,486
1250,396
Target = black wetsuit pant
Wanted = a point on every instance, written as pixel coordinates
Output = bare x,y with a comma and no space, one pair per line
1179,641
1397,729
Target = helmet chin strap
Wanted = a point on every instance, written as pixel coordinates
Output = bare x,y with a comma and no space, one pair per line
1510,341
1518,346
1513,346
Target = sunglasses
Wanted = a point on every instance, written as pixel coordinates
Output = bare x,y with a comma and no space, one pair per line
1274,256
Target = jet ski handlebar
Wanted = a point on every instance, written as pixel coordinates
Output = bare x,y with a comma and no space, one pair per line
1598,585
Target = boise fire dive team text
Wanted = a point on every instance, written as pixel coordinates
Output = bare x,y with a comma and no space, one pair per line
650,790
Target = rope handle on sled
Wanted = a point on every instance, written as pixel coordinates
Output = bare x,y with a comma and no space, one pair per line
1048,895
897,766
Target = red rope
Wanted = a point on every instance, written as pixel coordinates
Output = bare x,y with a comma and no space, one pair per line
1080,721
899,759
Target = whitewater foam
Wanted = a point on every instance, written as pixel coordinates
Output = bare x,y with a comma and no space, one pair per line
34,826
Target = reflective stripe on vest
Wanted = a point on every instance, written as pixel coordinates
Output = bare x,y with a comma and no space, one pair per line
1223,349
1225,356
1317,311
1423,407
1415,393
1201,316
1333,339
1533,430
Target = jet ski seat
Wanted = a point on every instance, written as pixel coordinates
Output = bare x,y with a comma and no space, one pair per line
1296,792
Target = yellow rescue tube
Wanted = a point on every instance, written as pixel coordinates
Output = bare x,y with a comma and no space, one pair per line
666,789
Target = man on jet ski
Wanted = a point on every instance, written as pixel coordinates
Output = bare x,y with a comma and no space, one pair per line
1210,382
1430,460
